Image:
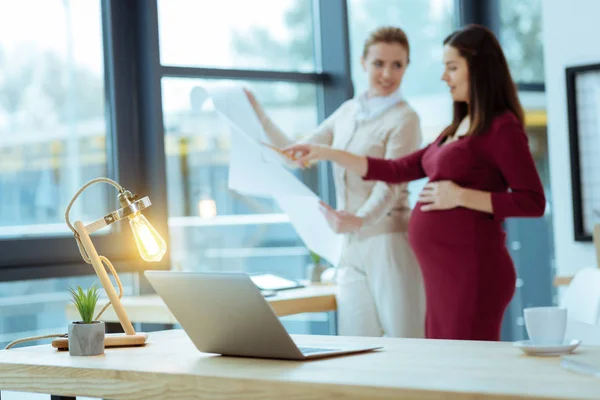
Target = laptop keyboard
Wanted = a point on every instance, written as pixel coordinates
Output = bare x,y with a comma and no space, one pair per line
312,350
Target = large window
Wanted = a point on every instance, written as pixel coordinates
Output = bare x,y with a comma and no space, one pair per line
257,34
52,116
273,44
521,39
82,97
53,138
211,226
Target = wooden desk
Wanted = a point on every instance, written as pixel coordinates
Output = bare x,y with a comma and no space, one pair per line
170,367
152,309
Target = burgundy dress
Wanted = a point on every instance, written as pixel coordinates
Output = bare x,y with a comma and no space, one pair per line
468,273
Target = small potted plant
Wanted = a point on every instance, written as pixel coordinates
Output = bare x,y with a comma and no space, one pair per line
316,268
86,337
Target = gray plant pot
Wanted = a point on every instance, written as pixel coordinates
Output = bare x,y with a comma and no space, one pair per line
86,339
315,271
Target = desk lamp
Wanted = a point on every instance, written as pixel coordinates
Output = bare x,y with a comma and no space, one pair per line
150,244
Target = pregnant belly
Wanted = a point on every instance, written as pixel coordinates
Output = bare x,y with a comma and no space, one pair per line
457,227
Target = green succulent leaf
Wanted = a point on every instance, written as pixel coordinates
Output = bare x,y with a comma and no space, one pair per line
316,259
85,302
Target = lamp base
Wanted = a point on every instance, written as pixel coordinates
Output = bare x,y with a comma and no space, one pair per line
110,340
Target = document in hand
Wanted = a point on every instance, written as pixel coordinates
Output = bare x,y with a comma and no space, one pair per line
256,170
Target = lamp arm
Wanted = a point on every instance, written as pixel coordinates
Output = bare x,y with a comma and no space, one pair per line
97,261
116,276
79,192
98,265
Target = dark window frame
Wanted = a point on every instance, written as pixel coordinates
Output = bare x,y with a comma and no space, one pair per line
487,13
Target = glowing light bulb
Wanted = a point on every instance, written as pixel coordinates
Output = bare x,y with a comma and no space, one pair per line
150,244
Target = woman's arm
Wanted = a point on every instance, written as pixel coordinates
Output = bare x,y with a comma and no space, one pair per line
350,161
307,154
276,136
322,135
399,170
508,149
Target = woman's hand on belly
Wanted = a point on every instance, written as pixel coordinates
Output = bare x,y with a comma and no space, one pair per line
341,221
441,195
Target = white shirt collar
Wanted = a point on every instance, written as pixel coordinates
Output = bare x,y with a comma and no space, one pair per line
371,107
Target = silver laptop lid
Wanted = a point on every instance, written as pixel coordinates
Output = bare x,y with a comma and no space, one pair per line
224,313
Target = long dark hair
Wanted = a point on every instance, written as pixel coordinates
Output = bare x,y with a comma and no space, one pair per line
492,90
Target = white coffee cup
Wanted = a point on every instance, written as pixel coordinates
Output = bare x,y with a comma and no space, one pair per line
546,325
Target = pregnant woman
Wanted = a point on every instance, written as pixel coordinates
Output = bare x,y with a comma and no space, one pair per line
480,171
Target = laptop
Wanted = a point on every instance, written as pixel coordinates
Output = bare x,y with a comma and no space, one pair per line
225,313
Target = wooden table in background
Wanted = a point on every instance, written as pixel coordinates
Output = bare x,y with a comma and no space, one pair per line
152,309
313,298
562,280
170,367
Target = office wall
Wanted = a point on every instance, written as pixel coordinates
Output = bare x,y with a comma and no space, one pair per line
571,31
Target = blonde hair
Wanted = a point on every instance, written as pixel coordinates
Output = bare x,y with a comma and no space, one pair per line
387,34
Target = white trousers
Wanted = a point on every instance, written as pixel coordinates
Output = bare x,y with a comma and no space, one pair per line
380,288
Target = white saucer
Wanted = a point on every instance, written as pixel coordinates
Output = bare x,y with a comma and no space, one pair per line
547,350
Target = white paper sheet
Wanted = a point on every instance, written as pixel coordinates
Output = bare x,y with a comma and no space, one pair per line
260,176
232,103
255,170
311,226
249,169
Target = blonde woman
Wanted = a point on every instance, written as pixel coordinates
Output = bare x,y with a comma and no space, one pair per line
380,284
